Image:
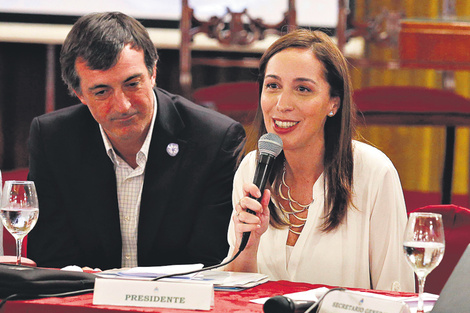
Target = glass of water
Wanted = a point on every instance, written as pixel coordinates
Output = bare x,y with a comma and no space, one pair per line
19,210
424,246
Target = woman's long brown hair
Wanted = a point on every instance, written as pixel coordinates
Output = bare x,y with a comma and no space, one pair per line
339,129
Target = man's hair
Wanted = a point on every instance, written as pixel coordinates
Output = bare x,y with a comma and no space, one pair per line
98,39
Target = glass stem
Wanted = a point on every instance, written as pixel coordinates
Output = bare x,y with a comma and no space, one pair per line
421,281
19,244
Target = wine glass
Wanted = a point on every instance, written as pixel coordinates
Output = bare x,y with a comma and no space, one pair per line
424,246
19,210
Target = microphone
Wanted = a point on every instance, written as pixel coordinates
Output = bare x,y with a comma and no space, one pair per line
269,146
281,304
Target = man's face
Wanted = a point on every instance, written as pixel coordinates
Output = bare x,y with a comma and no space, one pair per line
120,98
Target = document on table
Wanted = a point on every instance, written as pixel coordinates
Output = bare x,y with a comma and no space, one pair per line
412,302
232,281
151,272
157,271
222,280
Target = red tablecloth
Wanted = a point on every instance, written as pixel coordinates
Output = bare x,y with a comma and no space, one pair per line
224,301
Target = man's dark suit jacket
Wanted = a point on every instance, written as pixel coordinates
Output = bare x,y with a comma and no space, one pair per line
186,199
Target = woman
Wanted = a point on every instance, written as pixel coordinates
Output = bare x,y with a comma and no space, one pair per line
334,212
1,224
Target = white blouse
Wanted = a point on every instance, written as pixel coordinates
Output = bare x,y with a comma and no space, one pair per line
364,252
1,224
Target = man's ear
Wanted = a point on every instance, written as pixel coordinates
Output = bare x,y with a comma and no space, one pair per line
154,75
80,96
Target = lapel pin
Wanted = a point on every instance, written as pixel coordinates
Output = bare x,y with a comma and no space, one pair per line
172,149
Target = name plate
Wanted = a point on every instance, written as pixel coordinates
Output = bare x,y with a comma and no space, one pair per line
339,301
159,294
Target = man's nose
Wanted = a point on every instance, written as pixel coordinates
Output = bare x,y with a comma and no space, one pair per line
121,102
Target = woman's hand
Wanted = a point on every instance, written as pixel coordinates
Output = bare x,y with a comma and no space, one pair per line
248,222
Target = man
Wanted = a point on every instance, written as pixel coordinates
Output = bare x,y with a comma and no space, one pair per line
133,176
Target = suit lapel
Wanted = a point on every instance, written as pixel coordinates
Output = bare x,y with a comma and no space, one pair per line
161,172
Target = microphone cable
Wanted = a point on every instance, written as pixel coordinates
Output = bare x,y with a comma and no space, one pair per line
199,270
315,305
269,146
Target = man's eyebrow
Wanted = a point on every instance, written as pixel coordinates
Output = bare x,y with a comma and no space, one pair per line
132,77
97,87
125,81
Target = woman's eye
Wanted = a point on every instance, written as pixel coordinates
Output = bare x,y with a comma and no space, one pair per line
304,89
271,85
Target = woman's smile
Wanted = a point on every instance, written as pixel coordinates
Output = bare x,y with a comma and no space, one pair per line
283,126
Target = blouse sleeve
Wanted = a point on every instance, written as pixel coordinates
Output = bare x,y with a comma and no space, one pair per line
388,267
245,173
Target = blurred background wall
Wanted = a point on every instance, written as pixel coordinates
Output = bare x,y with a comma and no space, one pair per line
417,152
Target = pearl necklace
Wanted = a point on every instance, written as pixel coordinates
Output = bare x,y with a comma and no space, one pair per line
294,211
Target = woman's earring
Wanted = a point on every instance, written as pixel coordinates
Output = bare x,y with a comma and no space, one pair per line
331,114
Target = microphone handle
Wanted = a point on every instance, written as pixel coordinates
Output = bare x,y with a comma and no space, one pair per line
284,304
263,171
302,306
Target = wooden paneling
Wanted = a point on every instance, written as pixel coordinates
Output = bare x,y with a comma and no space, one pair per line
435,44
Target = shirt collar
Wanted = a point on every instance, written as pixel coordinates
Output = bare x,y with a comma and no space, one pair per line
142,155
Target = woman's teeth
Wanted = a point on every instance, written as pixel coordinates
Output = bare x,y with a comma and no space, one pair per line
283,124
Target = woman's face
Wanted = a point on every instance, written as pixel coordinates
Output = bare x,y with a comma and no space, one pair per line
295,98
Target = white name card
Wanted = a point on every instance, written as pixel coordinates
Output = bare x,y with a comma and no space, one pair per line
159,294
339,301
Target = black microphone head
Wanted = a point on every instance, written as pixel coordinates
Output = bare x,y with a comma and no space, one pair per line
279,304
270,144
